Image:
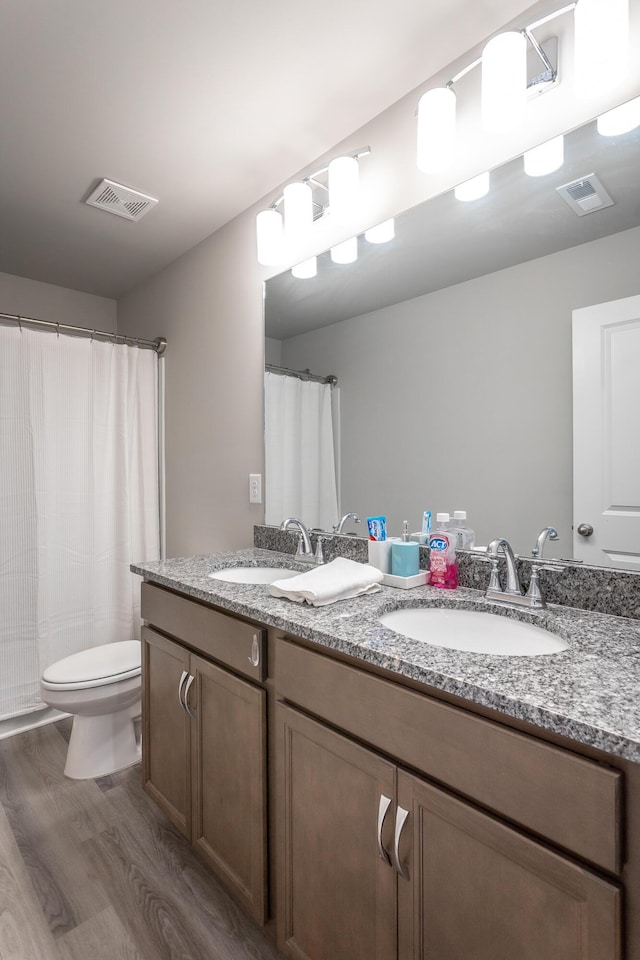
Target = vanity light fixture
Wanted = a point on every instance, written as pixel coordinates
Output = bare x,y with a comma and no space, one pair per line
345,252
601,45
270,237
382,232
473,189
545,158
332,188
306,270
298,212
504,81
436,129
621,119
343,184
601,55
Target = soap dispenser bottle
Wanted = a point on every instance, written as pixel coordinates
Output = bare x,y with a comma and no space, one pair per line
405,555
442,554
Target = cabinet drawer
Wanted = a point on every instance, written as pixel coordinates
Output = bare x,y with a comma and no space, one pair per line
571,801
239,645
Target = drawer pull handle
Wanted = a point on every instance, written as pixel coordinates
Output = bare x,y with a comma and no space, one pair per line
180,686
191,712
385,803
254,659
401,817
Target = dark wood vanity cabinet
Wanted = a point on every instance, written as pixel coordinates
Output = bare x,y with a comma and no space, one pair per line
204,739
378,862
400,826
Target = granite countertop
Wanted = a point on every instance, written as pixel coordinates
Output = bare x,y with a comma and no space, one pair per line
589,692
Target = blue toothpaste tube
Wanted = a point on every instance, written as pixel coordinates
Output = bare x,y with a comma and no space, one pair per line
377,527
426,522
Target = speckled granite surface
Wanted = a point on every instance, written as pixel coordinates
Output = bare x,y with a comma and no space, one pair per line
602,590
590,692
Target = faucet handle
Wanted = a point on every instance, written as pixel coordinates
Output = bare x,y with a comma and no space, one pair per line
534,594
319,554
301,553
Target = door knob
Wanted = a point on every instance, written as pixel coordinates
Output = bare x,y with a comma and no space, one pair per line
585,530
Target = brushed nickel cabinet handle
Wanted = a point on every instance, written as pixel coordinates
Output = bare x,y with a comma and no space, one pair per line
191,712
180,686
254,659
401,817
385,803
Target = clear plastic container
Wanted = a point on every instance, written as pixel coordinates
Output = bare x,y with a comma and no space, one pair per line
465,536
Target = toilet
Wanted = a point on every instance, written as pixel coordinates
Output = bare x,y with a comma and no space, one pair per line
102,688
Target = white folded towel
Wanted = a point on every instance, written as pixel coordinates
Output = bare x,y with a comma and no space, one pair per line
338,580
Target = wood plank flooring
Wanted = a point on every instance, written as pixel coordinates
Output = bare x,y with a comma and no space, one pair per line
91,870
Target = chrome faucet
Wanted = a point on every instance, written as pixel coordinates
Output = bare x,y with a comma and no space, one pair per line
512,592
338,528
512,588
305,550
547,533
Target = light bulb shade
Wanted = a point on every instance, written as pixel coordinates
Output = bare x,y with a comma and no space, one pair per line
504,82
601,45
270,238
545,158
621,119
382,232
473,189
345,252
344,182
298,210
306,269
436,129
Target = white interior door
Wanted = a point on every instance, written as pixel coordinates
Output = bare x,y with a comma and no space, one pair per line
606,433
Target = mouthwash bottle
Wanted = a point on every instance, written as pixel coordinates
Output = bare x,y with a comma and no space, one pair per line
465,536
442,554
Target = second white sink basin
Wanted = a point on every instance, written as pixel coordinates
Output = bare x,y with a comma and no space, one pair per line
474,631
253,574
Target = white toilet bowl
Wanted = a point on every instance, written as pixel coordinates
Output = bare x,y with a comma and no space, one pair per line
102,687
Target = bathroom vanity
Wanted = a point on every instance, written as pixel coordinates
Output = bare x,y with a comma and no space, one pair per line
366,796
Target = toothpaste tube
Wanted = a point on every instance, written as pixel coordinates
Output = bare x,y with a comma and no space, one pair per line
377,527
426,522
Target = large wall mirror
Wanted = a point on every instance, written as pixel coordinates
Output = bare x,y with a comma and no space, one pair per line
453,349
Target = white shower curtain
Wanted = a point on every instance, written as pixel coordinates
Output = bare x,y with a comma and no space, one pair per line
78,499
300,473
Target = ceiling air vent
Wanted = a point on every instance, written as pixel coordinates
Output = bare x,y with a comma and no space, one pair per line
585,195
124,202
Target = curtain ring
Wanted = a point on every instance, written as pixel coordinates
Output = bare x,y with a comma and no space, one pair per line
93,333
58,329
20,324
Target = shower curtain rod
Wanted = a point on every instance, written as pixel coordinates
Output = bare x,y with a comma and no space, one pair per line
301,374
159,344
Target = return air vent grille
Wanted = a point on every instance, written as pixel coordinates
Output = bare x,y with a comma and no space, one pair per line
120,200
585,195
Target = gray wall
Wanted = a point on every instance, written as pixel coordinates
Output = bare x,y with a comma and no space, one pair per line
461,399
44,301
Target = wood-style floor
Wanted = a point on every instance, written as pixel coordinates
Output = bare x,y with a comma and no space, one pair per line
91,870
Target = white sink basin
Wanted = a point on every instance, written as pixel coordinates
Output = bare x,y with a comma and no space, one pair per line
474,631
253,574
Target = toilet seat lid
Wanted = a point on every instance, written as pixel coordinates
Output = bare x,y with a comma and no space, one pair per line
104,664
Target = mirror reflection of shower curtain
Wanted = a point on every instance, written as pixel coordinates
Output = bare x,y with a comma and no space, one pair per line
300,466
78,499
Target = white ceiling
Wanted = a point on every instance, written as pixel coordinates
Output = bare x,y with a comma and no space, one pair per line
206,105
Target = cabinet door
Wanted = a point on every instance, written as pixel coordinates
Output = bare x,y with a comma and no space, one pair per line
229,780
337,896
166,730
479,890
